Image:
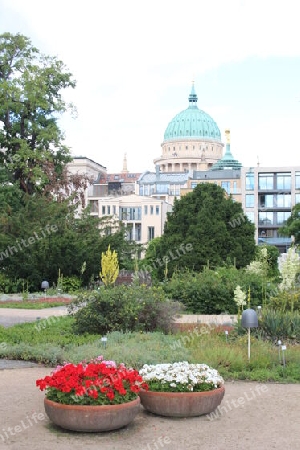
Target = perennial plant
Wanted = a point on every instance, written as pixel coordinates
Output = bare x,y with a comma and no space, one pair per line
97,382
181,377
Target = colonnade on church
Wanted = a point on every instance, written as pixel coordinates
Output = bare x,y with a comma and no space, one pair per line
183,166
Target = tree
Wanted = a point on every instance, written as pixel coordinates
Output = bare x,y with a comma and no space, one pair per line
292,227
39,237
205,228
31,142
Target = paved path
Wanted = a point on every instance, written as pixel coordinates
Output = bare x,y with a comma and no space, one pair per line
11,316
252,416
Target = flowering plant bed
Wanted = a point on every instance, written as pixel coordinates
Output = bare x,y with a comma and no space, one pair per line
181,377
97,382
181,389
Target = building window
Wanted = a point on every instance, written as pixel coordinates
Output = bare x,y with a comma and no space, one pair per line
141,190
250,181
297,180
249,200
265,181
145,209
94,206
162,188
284,181
114,209
138,232
193,185
226,186
151,209
108,210
283,200
103,210
157,210
129,232
234,187
266,201
282,217
150,233
265,218
133,213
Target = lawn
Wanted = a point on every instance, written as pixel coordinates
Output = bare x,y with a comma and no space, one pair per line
40,303
52,342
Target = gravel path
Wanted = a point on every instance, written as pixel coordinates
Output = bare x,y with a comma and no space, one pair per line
251,417
11,316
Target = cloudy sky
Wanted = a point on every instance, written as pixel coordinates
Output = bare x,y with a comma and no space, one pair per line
134,62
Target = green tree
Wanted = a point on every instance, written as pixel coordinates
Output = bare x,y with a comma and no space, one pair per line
31,141
42,236
292,227
212,225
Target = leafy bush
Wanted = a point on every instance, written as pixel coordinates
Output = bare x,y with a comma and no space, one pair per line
286,300
280,325
124,308
11,286
70,284
212,291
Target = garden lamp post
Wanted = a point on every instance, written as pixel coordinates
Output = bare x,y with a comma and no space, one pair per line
249,320
45,286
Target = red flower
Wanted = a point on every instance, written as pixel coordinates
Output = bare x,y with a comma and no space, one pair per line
96,382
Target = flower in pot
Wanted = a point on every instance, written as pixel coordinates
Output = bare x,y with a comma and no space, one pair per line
97,395
181,389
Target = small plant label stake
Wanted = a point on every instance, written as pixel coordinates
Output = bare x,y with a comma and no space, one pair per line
104,341
279,344
283,348
226,335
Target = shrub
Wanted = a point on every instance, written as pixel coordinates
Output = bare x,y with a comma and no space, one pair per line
124,308
275,325
70,284
212,291
286,301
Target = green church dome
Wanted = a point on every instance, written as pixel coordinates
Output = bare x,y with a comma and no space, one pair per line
192,123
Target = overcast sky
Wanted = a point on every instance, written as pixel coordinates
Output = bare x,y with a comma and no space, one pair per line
134,62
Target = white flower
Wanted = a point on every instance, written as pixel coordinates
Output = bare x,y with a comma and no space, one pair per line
181,374
239,296
289,267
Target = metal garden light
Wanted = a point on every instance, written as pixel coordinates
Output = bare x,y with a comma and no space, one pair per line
249,320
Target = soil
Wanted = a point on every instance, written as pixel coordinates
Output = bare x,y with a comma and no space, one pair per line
251,416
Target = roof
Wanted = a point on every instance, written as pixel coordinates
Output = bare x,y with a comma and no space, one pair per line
124,177
192,123
164,177
228,161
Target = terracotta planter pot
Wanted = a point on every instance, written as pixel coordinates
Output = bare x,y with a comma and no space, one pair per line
92,418
182,404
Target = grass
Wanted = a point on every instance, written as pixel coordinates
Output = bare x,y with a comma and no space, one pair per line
41,303
52,341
